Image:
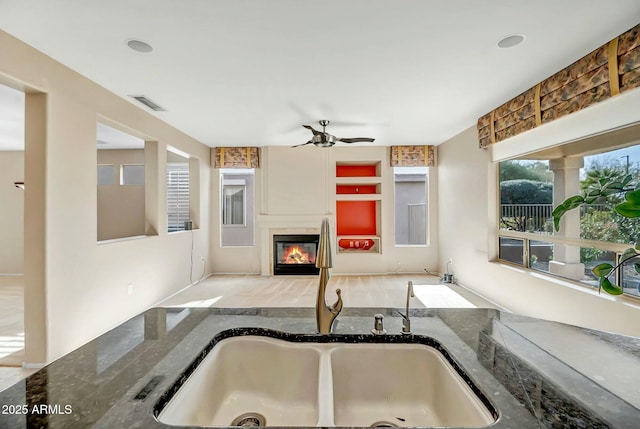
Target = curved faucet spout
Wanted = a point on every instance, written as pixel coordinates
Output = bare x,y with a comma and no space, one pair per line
406,323
325,315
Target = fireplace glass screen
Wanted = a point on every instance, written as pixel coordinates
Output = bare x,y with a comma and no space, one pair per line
295,254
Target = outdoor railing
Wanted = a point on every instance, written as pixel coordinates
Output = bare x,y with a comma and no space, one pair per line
536,217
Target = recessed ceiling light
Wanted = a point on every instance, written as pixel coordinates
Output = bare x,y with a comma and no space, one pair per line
511,41
139,46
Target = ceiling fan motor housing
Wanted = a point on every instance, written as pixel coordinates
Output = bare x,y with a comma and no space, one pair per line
324,140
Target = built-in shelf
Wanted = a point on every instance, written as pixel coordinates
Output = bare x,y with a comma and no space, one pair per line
358,244
358,180
357,197
358,206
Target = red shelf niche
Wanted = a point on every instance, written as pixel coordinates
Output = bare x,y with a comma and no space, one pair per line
356,217
356,170
355,189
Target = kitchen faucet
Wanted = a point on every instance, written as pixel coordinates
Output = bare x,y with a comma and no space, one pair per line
406,323
325,315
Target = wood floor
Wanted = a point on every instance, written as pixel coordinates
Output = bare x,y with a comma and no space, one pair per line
248,291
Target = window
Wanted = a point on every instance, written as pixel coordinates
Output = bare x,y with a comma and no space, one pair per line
237,202
410,189
590,235
233,203
106,175
177,195
132,175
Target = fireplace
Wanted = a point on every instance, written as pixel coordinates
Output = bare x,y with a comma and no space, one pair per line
295,254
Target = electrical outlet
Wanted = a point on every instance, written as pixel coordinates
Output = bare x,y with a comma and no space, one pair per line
450,260
130,289
202,259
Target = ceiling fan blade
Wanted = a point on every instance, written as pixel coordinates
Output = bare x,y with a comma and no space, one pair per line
315,132
357,139
303,144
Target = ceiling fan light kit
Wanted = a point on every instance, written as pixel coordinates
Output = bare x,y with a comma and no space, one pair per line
324,139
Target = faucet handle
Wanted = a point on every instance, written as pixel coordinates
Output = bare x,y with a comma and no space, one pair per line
378,328
336,308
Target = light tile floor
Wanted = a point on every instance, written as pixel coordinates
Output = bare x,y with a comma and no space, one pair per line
12,331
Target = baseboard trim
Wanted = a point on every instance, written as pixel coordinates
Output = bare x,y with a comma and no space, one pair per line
498,306
27,365
11,275
178,291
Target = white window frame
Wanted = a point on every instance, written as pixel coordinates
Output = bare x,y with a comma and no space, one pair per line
412,170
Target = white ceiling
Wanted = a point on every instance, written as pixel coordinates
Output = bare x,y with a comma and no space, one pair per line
250,72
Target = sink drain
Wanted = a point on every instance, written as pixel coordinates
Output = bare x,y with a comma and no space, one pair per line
249,420
384,424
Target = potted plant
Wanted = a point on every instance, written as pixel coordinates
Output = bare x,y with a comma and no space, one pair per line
604,189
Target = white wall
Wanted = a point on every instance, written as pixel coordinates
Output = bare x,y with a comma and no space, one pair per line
295,190
467,206
77,289
11,212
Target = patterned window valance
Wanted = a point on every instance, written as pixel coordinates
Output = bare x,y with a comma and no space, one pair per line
611,69
236,157
413,156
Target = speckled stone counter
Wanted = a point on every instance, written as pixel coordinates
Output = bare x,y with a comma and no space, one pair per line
121,379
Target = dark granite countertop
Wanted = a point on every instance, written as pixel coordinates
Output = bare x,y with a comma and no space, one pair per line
533,373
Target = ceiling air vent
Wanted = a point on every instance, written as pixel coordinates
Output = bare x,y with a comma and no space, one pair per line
147,102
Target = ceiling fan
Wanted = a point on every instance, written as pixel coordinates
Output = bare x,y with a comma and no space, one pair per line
324,139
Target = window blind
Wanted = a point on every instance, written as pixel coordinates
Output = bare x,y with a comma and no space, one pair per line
177,195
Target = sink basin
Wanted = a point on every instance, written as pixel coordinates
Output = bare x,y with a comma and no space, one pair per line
402,384
250,377
266,381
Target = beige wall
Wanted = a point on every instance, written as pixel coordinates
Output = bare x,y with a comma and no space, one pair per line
295,190
79,289
467,206
11,212
121,210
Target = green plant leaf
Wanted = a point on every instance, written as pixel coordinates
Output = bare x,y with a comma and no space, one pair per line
627,179
615,185
557,214
628,209
594,193
603,181
568,204
609,287
602,270
610,191
628,253
633,197
573,202
637,267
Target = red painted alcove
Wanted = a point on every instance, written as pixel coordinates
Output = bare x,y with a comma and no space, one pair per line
356,217
356,170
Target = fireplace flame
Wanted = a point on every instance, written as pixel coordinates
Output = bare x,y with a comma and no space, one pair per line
297,255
